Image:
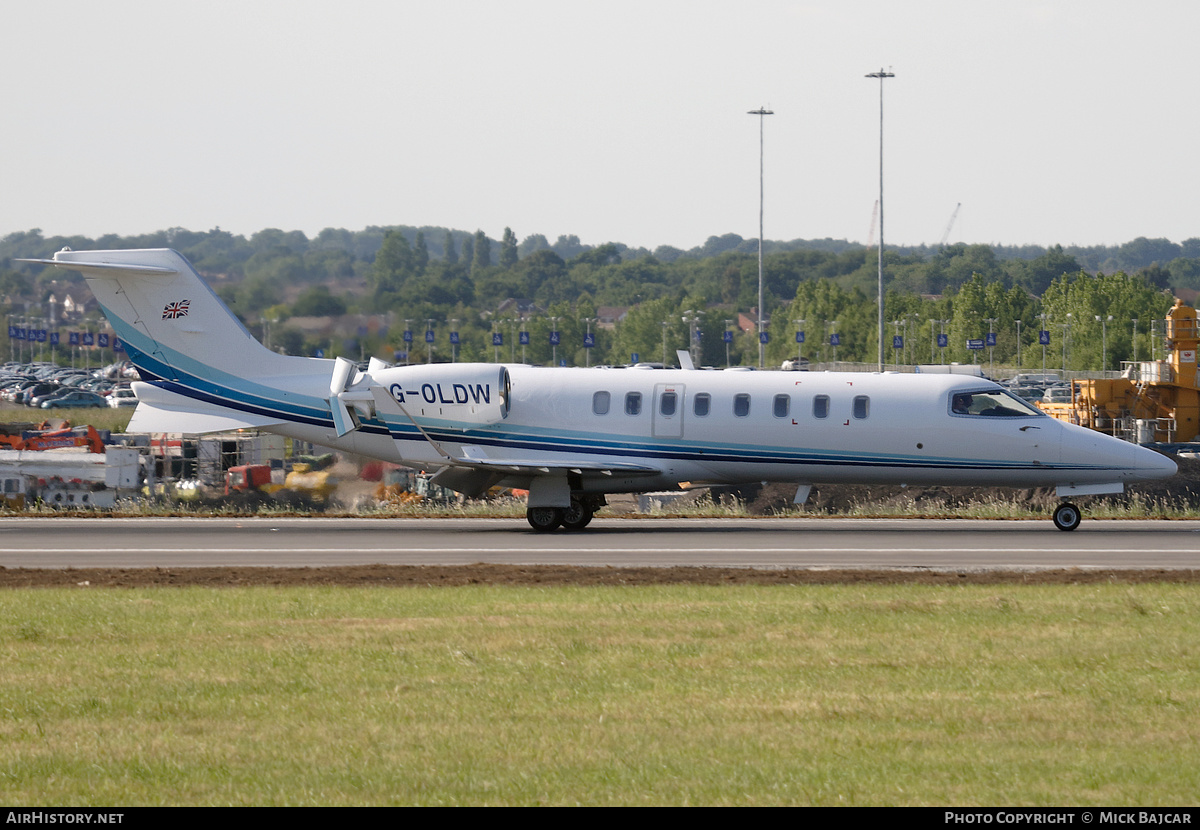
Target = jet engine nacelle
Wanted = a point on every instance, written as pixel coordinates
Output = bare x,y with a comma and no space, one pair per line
478,393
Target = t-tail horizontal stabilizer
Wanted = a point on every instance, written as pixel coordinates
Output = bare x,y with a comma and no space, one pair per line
104,269
160,410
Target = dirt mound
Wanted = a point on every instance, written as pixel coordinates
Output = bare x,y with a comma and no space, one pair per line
433,576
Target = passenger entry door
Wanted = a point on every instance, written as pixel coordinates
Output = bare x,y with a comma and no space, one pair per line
667,421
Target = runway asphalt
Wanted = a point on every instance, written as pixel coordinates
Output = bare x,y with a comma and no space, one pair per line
748,543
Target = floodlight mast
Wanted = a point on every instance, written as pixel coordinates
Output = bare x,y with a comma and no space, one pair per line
881,75
761,112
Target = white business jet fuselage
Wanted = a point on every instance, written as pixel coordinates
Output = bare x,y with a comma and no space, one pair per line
572,435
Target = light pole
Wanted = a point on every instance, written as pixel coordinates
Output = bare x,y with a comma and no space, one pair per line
555,337
881,75
761,112
1018,346
587,339
910,320
831,333
1044,339
991,321
664,356
1066,327
1135,360
691,319
1104,342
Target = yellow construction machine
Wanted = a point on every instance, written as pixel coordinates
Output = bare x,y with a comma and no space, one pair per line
1151,402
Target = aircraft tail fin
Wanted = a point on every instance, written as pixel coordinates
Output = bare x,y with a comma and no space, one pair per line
171,323
203,370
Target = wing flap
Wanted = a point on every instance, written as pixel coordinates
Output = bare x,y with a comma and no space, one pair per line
540,466
472,477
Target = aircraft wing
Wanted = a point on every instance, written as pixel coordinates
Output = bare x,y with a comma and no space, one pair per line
473,476
472,470
476,458
534,466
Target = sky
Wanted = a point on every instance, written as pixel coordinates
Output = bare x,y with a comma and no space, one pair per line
1067,122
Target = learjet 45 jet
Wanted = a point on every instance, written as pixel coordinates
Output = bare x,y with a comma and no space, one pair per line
570,436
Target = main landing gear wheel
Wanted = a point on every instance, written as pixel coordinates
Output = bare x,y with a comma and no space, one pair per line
544,519
1067,516
577,516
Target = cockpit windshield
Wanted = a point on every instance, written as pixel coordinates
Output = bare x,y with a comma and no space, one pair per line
992,403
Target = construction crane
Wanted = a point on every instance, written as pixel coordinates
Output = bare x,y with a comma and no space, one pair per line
949,225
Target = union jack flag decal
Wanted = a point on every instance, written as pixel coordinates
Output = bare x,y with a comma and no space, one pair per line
173,311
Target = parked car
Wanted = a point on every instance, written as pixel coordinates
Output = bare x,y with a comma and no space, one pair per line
27,394
1029,393
122,397
78,398
37,400
1036,379
1058,394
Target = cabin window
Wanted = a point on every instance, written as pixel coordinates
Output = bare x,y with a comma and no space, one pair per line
862,406
633,403
821,406
701,404
601,402
668,402
783,405
741,405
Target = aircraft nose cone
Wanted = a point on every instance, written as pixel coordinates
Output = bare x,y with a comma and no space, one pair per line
1151,464
1097,450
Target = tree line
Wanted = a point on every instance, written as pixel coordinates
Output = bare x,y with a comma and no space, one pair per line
444,281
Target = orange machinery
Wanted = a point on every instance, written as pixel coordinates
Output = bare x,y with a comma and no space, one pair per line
19,437
1152,401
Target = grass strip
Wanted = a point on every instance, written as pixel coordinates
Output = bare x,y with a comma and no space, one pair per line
677,694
